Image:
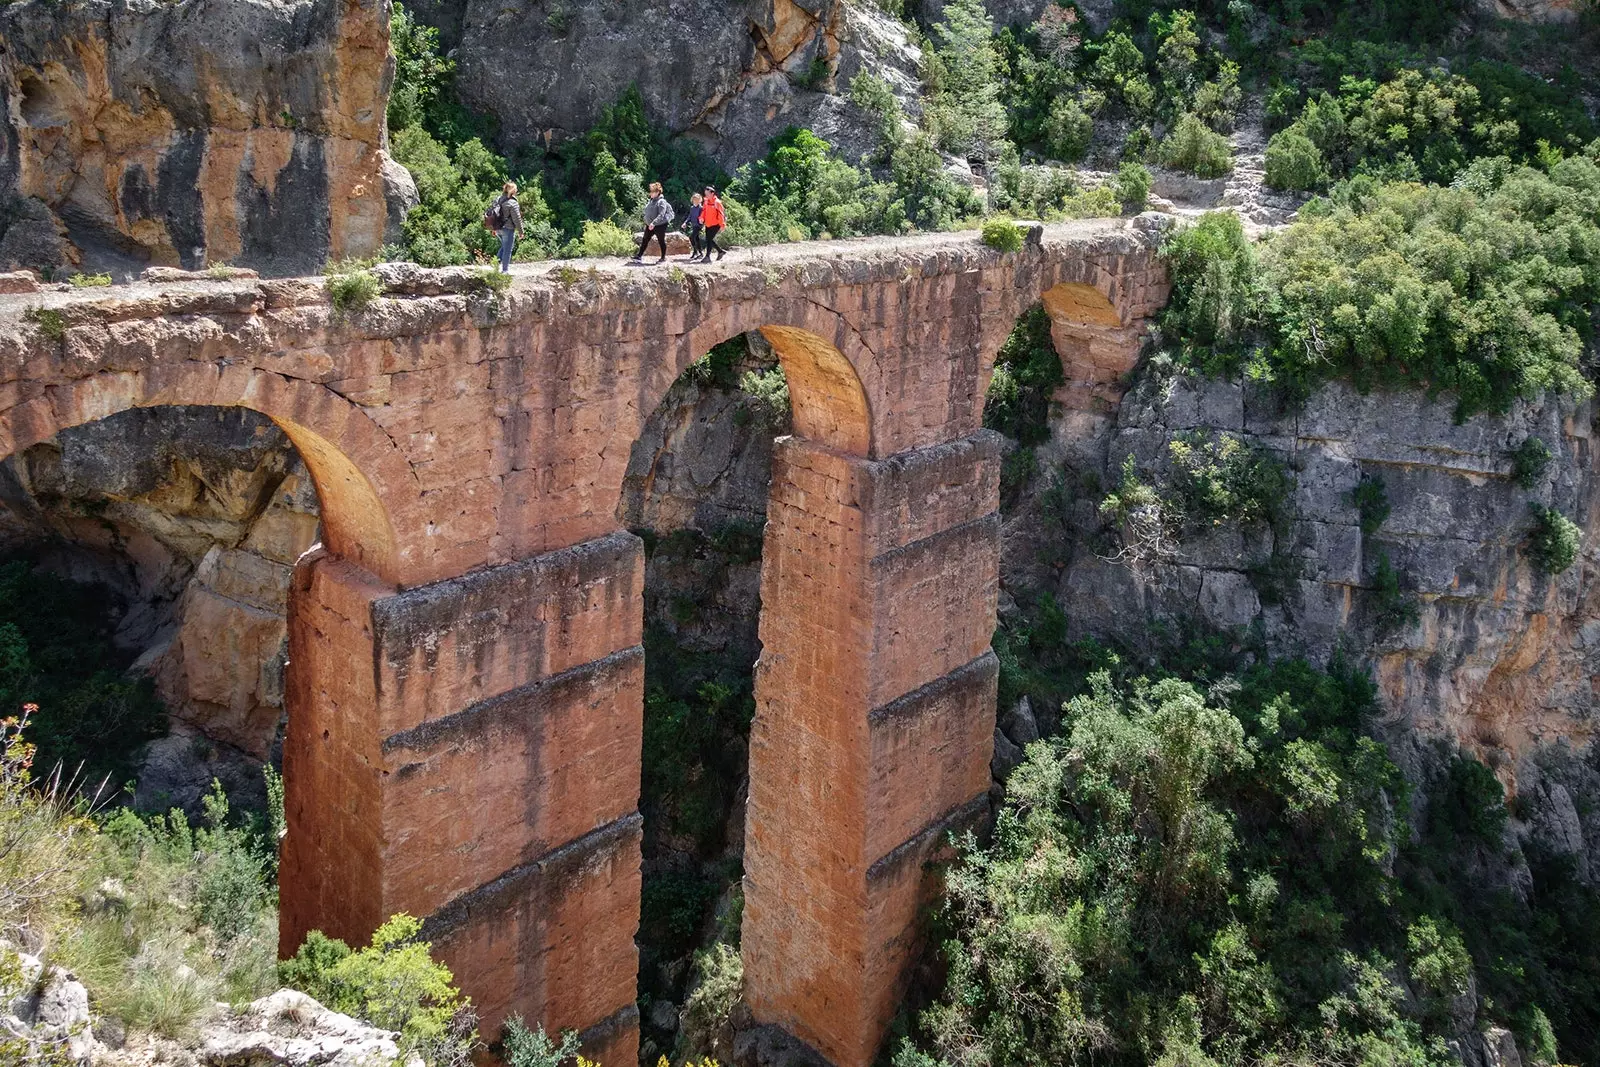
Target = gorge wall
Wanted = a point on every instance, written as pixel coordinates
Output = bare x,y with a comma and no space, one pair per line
248,132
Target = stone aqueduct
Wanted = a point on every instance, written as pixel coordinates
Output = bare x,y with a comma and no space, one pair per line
466,676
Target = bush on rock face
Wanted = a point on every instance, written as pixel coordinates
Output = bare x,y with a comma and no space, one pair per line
1294,163
1195,147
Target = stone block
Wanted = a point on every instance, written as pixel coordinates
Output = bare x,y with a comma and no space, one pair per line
444,647
553,941
496,786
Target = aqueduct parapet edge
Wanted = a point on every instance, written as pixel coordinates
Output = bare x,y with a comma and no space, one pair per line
466,675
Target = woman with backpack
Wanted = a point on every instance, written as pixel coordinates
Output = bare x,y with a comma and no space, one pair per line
715,219
658,216
504,217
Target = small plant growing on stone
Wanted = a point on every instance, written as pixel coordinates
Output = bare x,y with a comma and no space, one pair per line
492,281
1002,234
223,272
1528,462
89,281
1395,607
567,275
521,1047
1371,499
51,323
1553,541
352,287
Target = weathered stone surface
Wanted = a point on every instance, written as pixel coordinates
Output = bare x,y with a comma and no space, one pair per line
730,76
290,1029
19,281
195,133
1533,10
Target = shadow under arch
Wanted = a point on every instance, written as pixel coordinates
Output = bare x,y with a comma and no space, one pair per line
823,359
357,469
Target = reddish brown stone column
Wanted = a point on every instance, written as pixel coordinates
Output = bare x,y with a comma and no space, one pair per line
468,752
874,724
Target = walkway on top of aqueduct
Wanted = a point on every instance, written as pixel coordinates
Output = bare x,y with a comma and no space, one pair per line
465,685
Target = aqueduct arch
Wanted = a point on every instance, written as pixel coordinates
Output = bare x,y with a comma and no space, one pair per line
466,681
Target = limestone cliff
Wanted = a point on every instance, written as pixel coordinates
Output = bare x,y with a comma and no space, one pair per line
194,132
1477,650
727,75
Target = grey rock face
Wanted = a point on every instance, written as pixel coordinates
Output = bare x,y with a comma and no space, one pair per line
728,76
289,1029
399,197
46,1009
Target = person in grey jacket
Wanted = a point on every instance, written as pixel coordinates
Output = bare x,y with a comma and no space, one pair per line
658,216
507,213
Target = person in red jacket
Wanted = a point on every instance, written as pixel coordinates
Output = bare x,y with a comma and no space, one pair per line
714,219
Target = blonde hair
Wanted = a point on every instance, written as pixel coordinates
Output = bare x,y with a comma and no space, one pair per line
509,188
695,198
655,187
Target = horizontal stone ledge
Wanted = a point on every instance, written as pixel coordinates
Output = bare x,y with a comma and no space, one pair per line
893,863
926,698
558,863
982,529
515,703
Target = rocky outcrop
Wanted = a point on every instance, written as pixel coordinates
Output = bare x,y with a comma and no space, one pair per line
194,517
729,76
202,131
1534,10
1499,657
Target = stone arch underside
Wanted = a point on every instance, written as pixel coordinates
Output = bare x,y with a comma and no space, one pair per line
359,473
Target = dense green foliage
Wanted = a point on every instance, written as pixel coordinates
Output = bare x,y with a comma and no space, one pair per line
393,984
1210,867
1553,540
56,652
1483,289
1026,373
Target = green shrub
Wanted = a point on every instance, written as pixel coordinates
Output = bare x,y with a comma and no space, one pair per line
1215,284
393,984
1371,498
1068,130
492,281
601,240
1294,163
352,287
1026,373
1529,461
521,1047
1224,480
718,980
1003,234
1132,186
1194,147
963,109
1553,540
89,281
768,393
1394,607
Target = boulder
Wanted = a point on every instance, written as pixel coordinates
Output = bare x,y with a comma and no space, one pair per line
678,244
19,281
290,1029
399,197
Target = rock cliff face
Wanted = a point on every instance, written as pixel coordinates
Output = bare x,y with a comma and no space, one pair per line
728,75
1477,650
185,133
194,517
1534,10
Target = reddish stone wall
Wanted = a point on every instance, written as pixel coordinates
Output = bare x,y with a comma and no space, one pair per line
874,723
465,683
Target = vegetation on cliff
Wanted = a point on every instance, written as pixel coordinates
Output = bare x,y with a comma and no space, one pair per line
1483,289
1216,864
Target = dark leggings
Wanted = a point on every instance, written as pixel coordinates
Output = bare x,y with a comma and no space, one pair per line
696,239
660,234
711,239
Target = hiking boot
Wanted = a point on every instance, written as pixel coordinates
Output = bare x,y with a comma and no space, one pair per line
660,261
720,254
637,259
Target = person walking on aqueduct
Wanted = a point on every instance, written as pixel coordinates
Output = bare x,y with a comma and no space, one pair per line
505,219
657,217
694,227
714,218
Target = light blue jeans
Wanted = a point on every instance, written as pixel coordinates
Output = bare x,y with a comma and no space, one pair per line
508,244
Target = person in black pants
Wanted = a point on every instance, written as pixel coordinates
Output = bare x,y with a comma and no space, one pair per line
657,217
715,218
695,228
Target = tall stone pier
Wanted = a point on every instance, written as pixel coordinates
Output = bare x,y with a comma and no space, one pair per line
465,686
